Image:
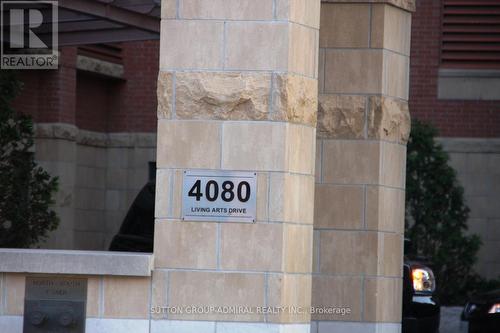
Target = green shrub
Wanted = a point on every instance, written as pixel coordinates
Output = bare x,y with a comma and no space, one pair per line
26,190
436,218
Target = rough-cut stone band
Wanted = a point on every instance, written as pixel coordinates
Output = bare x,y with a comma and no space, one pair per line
363,117
237,96
95,139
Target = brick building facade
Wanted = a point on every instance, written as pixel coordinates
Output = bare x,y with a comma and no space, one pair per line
448,94
96,125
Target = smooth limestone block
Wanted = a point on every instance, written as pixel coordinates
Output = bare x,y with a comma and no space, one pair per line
93,296
341,116
295,99
304,12
303,50
185,245
116,178
256,46
182,326
63,170
385,209
290,198
177,193
357,327
118,158
388,119
298,246
159,293
289,291
393,171
55,150
338,292
223,9
321,70
383,299
262,196
317,163
225,96
188,144
353,71
301,149
90,177
258,146
90,220
391,250
391,28
242,327
164,92
112,325
396,75
168,9
14,285
361,252
163,195
176,53
338,207
198,288
89,240
344,25
349,252
255,247
91,199
351,162
126,297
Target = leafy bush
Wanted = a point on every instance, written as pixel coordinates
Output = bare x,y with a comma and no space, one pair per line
26,190
436,218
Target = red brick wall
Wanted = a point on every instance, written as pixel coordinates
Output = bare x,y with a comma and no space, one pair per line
453,118
138,98
49,95
93,100
96,103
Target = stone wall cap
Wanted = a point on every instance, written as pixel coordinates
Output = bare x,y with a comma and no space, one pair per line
75,262
408,5
470,145
469,73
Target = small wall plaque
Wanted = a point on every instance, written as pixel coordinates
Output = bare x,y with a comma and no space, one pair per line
219,196
55,305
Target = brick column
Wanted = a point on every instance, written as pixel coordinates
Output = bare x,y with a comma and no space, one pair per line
363,125
237,90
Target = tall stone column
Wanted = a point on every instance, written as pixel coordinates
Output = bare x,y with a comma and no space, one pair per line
363,126
237,91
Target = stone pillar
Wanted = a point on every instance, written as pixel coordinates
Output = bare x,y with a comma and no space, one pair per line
237,91
363,125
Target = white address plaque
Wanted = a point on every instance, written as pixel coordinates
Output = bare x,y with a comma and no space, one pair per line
219,196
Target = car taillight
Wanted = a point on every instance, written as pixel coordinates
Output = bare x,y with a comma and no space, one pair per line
423,279
495,308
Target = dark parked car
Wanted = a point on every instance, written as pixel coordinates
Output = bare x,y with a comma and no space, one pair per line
482,313
421,309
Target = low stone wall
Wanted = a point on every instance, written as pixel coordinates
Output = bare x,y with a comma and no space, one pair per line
119,292
477,164
99,174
